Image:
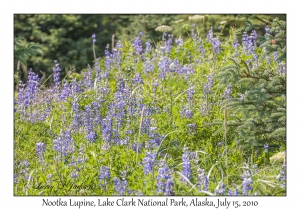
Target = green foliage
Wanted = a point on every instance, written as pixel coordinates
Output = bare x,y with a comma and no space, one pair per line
22,52
261,107
67,38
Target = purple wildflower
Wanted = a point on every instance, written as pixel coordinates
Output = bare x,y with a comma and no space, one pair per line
120,186
104,175
186,165
40,148
148,162
164,181
137,45
64,144
94,38
179,42
228,91
247,185
266,147
56,74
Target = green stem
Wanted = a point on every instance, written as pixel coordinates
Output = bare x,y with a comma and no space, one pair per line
94,51
225,138
139,136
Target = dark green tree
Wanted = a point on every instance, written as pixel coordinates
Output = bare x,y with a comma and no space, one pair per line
257,110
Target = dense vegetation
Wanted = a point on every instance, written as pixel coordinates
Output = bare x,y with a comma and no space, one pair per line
195,115
67,37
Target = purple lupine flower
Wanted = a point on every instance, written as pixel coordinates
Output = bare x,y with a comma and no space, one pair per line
72,163
282,177
91,135
210,35
220,189
186,165
119,44
65,92
137,45
141,33
94,38
174,66
40,148
148,162
24,168
104,175
201,49
246,185
192,127
202,179
80,158
216,45
148,67
108,62
241,96
138,79
249,42
163,66
267,29
179,42
188,113
75,87
194,34
56,74
208,86
15,179
154,84
168,44
266,147
88,80
190,93
27,95
148,47
119,106
120,186
107,129
97,67
186,70
96,112
281,69
169,190
235,43
74,175
163,179
64,144
228,91
137,147
77,116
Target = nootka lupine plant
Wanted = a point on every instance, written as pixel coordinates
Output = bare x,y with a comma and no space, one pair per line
64,144
186,165
104,177
56,76
120,186
88,121
148,162
164,180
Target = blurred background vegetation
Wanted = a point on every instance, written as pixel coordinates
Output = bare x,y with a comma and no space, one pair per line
67,37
